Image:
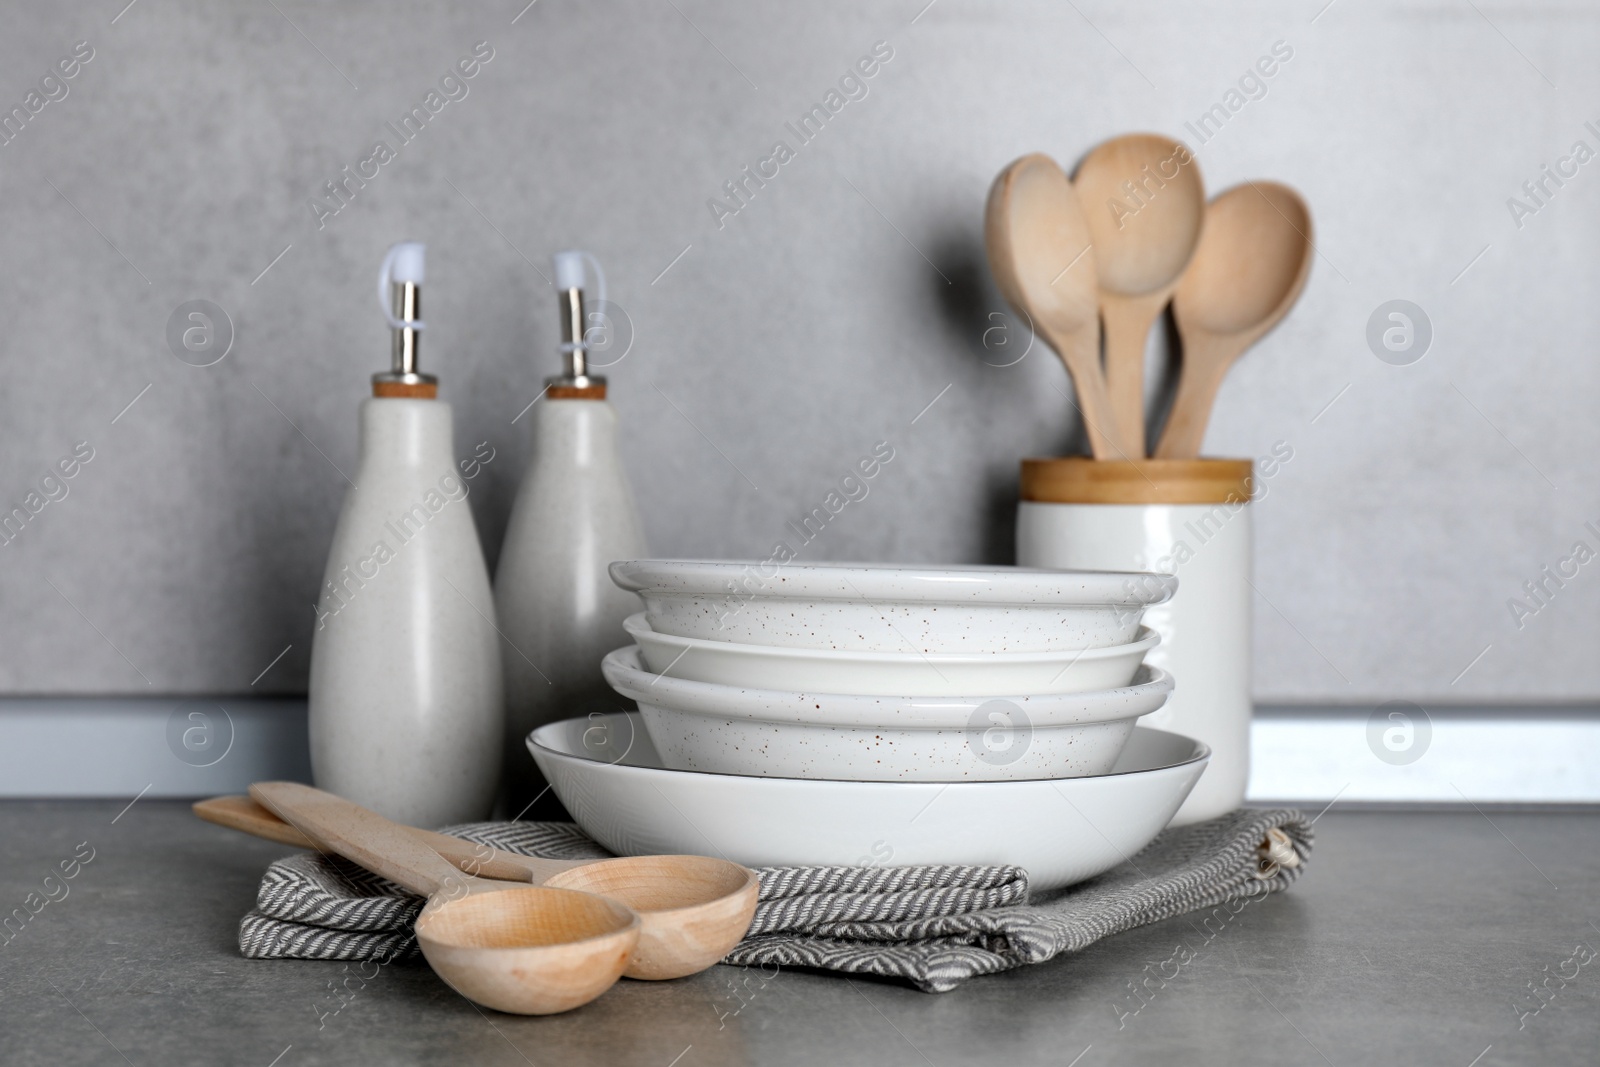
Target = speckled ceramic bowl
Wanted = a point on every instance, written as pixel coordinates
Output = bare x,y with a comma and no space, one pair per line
820,670
610,776
878,608
724,729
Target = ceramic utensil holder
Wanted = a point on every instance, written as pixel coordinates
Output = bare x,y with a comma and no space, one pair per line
1185,517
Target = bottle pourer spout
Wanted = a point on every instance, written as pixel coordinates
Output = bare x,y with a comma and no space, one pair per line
400,296
575,381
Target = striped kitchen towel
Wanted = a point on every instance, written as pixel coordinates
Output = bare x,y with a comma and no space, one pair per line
934,926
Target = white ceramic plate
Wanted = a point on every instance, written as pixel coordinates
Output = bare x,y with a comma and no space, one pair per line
882,608
608,774
701,726
817,670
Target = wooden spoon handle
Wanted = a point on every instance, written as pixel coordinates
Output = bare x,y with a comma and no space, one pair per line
1095,408
485,861
1128,321
1080,352
363,836
242,813
1206,360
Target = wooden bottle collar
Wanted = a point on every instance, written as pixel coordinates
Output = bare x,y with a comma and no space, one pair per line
406,390
595,390
430,391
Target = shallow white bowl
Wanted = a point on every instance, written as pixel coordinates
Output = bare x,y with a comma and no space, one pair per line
611,778
881,608
820,670
701,726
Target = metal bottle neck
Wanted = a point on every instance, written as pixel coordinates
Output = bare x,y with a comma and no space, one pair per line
403,379
575,380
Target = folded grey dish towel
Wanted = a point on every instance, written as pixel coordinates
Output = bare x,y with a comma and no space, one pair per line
935,926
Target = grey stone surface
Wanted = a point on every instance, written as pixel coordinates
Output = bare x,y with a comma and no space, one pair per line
824,316
1412,939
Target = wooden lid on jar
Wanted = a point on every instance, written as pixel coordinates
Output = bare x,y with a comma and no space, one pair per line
1081,480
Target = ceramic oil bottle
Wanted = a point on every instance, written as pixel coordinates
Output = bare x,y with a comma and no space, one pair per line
406,699
574,513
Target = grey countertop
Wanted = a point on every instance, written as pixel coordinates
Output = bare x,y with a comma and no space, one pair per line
1413,938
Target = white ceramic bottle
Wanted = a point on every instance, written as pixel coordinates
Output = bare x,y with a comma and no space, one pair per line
574,514
406,695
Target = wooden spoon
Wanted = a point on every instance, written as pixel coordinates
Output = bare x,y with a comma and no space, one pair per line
1251,265
1145,204
516,948
693,909
1044,263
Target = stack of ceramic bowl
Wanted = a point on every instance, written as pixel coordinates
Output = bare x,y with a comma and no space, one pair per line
872,673
854,714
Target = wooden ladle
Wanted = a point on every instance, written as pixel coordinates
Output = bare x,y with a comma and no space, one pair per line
516,948
693,909
696,914
1044,263
1145,204
1252,263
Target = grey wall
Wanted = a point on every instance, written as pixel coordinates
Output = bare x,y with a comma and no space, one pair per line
823,317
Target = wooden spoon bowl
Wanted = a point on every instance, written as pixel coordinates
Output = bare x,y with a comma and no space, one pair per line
528,950
694,909
1144,237
1252,261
